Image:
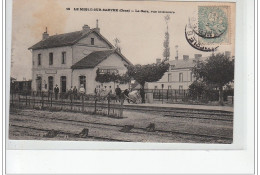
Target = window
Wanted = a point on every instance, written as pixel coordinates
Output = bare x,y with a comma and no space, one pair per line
180,77
63,58
50,58
169,77
92,41
172,67
82,80
191,76
39,59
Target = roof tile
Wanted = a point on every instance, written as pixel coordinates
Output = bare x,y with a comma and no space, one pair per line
93,59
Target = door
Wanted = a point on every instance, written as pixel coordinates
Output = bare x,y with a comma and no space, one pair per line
63,84
38,83
50,82
82,80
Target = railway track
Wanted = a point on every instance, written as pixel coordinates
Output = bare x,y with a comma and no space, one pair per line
71,134
201,117
137,129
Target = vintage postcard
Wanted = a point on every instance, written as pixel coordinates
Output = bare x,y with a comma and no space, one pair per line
122,71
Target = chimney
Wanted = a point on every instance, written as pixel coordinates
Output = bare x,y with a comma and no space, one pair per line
158,60
85,28
185,57
228,54
45,34
197,56
97,28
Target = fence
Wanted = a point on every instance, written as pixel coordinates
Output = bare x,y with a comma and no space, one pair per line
169,94
180,95
109,106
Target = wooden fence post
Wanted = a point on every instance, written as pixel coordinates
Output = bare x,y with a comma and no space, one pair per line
175,95
162,96
33,100
70,102
19,100
61,102
108,104
42,100
51,99
82,103
48,98
12,98
95,106
25,98
29,100
121,108
171,96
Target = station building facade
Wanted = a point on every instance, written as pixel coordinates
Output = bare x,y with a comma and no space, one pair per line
179,76
72,59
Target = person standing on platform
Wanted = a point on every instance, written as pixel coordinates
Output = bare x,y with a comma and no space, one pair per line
118,93
56,91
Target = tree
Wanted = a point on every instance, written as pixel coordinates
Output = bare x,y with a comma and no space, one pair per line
217,70
147,73
166,52
196,89
111,77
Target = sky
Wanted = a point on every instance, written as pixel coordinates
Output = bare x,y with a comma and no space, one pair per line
141,34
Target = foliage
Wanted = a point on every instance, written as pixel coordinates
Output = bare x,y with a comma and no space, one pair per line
166,52
148,72
196,89
111,77
217,70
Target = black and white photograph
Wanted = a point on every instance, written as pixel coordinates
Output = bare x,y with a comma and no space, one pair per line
155,72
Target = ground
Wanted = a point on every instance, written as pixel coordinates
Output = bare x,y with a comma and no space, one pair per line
170,126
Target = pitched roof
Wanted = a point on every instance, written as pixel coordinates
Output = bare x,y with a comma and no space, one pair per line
182,64
66,39
94,58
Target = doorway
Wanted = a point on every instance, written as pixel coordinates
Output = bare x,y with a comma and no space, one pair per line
38,84
63,84
50,82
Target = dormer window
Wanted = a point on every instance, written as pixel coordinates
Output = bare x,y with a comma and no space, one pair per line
92,41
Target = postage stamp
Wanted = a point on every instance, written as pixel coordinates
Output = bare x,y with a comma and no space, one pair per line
213,25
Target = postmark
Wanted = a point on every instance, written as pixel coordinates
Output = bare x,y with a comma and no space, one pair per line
210,27
193,39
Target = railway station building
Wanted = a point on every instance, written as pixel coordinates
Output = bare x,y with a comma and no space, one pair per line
72,59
